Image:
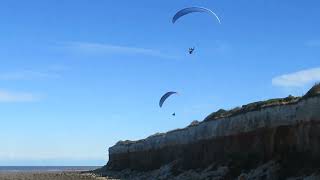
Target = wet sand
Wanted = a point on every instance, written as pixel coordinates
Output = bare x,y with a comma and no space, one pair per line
48,176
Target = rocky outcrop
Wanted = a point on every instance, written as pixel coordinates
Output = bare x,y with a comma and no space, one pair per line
280,131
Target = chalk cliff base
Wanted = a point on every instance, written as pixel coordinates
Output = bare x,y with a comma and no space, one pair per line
294,148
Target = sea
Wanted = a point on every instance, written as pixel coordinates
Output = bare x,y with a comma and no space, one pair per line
15,169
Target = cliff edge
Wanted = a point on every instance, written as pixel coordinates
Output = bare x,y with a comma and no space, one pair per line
231,144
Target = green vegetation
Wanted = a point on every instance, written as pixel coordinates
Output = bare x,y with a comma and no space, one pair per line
255,106
252,107
314,91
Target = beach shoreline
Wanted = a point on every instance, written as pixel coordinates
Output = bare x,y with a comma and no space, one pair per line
49,176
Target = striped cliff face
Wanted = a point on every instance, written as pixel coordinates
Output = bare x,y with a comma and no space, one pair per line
260,134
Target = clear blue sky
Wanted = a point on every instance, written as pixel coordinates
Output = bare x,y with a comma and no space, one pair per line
76,76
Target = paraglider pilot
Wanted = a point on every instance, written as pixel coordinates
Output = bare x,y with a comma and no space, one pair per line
191,50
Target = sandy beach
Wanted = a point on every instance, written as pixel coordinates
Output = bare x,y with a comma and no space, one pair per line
48,176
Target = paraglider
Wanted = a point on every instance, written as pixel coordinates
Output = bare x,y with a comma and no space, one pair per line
189,10
165,97
191,50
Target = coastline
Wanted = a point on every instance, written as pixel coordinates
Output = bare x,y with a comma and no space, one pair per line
49,176
49,173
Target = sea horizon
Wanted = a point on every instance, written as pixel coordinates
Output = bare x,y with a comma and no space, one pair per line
17,169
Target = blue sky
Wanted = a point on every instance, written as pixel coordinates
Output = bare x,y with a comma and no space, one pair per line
79,75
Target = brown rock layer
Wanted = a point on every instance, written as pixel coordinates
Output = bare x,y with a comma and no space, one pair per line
284,131
245,149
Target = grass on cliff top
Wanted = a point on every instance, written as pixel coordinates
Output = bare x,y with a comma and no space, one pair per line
221,113
251,107
314,91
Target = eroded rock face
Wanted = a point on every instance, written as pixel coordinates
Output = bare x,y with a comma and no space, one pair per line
248,138
288,134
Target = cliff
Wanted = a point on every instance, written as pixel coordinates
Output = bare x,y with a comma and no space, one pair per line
281,132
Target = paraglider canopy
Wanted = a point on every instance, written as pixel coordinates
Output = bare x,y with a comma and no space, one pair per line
189,10
165,96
